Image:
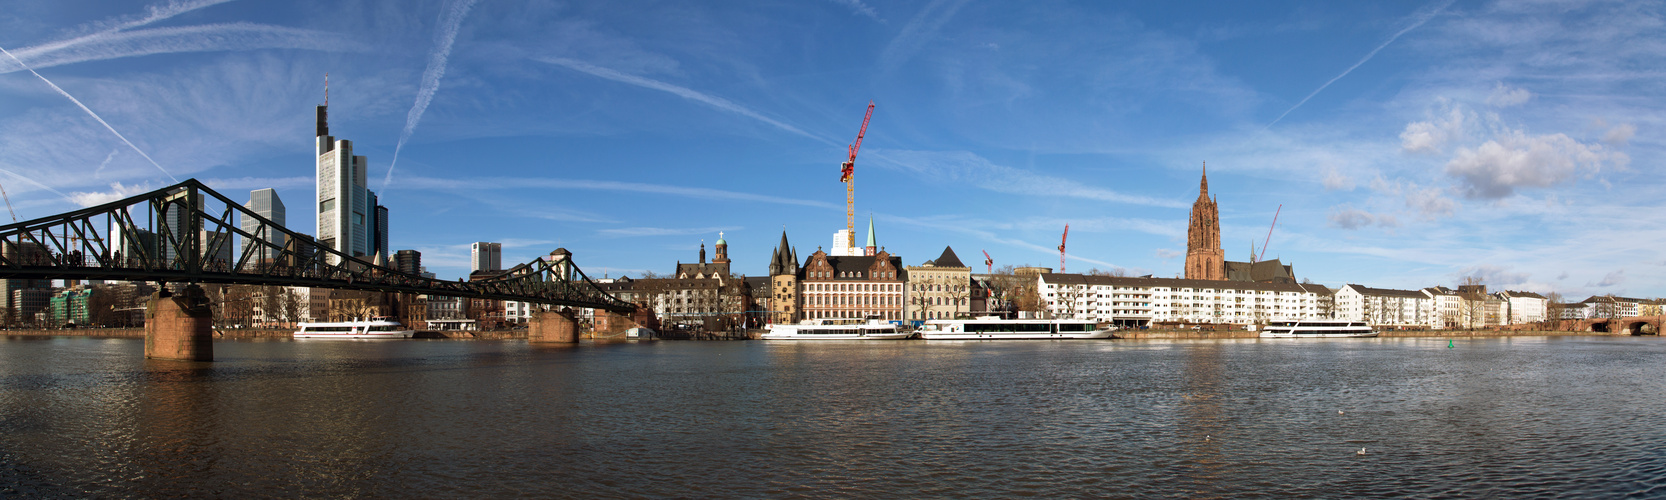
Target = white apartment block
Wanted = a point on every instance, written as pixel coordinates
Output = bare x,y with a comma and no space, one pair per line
1143,301
1524,307
1386,307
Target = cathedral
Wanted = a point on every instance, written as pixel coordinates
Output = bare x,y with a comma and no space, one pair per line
1205,260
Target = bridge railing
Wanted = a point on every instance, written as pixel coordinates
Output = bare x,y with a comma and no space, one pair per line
190,233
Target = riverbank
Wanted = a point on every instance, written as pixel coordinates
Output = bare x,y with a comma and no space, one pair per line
247,334
1244,334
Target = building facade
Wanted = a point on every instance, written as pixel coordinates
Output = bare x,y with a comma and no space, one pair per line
348,213
265,203
784,276
853,286
1386,307
1205,260
1143,301
485,256
939,289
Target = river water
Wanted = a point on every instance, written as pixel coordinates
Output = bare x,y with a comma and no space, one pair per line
1498,417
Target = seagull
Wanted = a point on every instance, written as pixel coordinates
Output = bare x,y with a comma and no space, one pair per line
1338,412
1360,452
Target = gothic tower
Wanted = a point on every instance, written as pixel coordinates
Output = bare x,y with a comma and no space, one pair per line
1205,260
783,276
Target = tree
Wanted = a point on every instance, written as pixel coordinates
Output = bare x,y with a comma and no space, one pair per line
1472,303
1554,305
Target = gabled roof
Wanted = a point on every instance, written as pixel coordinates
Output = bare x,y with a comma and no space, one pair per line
948,259
1387,292
1078,279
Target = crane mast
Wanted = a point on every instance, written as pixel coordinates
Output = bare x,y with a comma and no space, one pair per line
1061,247
1269,234
847,174
988,262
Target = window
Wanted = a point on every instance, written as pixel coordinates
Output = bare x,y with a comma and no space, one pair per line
327,205
358,218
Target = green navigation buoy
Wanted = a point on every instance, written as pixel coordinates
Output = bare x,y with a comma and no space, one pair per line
1449,343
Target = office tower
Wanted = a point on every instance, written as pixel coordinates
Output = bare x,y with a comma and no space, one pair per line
349,219
265,202
408,261
484,256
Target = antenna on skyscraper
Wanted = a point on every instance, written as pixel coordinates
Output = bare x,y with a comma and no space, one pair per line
326,88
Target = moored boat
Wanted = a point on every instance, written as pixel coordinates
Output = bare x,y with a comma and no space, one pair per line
374,328
836,329
1316,329
995,328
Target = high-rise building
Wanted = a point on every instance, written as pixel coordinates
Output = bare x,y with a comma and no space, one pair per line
265,202
349,219
408,261
485,256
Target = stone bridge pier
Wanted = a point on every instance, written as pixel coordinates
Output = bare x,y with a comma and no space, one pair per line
553,327
1634,325
179,326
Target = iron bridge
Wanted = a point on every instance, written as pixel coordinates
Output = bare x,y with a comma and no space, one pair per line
187,233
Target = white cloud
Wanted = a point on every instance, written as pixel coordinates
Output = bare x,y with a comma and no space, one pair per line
860,8
1495,277
1514,160
661,231
1429,202
963,166
1620,134
1504,96
686,93
117,191
1610,279
1335,181
1345,217
1432,136
1167,253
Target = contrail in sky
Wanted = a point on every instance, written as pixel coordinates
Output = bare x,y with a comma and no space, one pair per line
90,112
106,162
156,13
1425,17
453,18
713,101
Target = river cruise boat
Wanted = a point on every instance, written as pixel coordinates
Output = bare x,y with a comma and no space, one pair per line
995,328
1316,329
836,329
374,328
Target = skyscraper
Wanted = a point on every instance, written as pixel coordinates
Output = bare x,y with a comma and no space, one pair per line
408,261
349,219
265,203
484,256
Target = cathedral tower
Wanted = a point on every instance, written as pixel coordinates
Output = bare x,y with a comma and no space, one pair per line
1205,260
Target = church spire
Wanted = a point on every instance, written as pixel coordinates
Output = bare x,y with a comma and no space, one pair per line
1203,185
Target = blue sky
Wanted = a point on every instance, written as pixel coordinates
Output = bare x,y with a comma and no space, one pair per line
1410,143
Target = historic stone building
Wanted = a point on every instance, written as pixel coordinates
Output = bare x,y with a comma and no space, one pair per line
1205,260
939,288
853,286
784,275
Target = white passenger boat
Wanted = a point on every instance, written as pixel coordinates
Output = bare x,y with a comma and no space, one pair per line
1316,329
836,329
995,328
375,328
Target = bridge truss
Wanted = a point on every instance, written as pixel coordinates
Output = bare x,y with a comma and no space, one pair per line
187,233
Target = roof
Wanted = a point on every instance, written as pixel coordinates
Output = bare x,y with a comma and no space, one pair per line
1078,279
1266,270
1516,294
948,259
845,267
1387,292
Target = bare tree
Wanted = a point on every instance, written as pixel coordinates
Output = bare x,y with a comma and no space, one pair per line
1554,306
1472,305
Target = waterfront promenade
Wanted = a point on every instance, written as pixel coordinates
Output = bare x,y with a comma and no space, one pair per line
139,333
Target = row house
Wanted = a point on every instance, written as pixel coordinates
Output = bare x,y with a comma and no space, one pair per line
853,286
1524,307
1385,307
1136,302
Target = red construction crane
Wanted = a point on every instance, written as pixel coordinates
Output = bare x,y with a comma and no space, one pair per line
847,175
989,262
1269,233
1061,247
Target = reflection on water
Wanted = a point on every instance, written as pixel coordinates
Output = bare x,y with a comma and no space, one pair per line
1207,419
